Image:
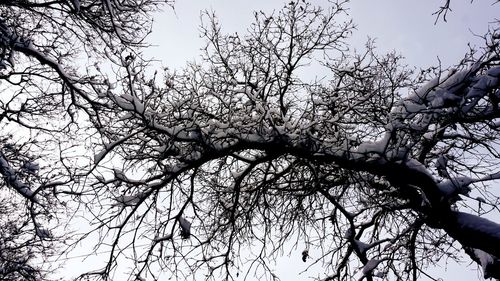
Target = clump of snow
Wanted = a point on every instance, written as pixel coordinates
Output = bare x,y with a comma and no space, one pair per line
119,174
305,255
494,71
163,238
130,102
125,116
421,93
42,233
100,178
236,174
428,136
485,260
481,86
128,200
374,147
455,186
76,5
98,156
362,247
479,224
441,165
370,266
480,199
455,79
349,233
185,228
31,167
13,180
417,166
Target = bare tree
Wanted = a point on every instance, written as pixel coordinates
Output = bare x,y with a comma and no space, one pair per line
446,7
50,77
377,167
25,239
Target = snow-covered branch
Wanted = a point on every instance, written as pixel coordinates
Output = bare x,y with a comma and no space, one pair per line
12,179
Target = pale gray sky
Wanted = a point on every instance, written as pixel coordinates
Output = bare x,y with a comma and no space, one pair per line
402,25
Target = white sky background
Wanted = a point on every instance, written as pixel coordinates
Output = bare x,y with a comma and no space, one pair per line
402,25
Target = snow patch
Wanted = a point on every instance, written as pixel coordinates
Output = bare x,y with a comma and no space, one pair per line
42,233
185,228
370,266
485,260
362,247
31,167
417,166
468,221
163,238
128,200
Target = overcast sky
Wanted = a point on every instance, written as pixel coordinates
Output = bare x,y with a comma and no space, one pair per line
402,25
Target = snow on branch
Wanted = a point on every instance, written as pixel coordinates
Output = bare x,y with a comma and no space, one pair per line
128,200
13,180
185,226
474,231
487,262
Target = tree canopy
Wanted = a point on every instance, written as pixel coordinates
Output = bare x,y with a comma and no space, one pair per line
50,65
381,169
